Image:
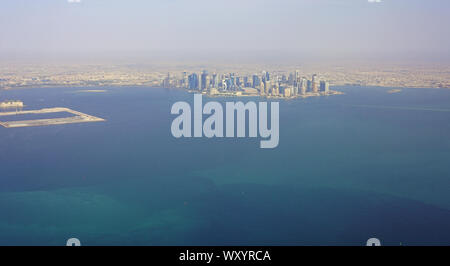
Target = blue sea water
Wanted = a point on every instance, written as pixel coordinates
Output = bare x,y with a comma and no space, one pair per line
347,168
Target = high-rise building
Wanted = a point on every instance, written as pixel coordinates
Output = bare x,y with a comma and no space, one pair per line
275,89
324,86
246,83
304,86
166,81
266,75
192,81
262,89
256,82
204,79
225,84
297,78
315,83
184,80
199,83
287,92
238,82
207,82
216,80
232,82
295,90
290,80
267,87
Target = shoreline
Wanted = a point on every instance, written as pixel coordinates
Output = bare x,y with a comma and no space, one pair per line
103,87
277,97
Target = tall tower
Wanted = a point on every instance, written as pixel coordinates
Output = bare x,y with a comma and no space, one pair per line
275,89
166,81
261,89
297,79
216,80
267,87
185,80
325,86
204,80
256,81
315,85
207,82
199,82
304,86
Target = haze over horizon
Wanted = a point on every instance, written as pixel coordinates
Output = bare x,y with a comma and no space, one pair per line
412,30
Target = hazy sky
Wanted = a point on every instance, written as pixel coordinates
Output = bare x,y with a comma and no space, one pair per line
351,28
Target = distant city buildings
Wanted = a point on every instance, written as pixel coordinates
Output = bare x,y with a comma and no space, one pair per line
268,85
314,83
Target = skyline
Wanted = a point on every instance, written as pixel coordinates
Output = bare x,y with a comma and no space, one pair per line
199,29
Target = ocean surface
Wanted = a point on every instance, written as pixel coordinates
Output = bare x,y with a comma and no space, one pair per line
348,168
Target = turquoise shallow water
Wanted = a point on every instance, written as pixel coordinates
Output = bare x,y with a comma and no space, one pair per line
348,167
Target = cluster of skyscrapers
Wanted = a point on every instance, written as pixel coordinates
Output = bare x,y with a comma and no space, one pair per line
263,84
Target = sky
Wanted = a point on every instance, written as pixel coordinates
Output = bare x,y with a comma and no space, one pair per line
313,28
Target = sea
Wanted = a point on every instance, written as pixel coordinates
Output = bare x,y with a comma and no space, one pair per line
366,164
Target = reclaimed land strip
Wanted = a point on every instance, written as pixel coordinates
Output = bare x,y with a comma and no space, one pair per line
78,118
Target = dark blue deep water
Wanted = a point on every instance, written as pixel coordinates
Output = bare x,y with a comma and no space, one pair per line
348,168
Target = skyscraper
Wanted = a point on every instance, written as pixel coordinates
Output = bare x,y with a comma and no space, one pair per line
184,80
297,78
204,80
193,81
256,81
225,84
246,83
304,86
324,86
267,87
216,80
275,89
291,79
232,81
238,81
266,75
199,83
294,90
287,92
261,89
166,81
315,85
207,82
